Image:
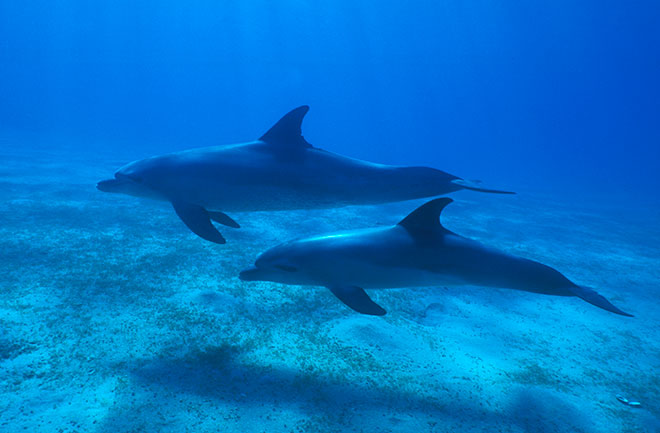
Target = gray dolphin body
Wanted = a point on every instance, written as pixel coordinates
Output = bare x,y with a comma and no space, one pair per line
280,171
418,251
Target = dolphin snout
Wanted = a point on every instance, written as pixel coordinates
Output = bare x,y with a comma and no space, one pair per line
250,274
109,185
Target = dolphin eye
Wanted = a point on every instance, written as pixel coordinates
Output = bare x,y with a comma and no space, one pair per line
287,268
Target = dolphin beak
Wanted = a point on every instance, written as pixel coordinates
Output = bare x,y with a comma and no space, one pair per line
110,185
250,274
118,184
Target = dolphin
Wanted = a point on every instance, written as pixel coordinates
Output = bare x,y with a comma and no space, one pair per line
279,171
418,251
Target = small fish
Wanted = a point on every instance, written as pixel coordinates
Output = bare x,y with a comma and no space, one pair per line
627,402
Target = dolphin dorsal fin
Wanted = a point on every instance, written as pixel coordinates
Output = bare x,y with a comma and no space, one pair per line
427,216
287,131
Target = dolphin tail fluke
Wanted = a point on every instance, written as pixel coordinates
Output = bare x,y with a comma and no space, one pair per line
198,220
595,298
476,186
357,299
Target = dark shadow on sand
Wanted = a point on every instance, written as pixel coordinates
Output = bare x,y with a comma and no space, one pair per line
218,373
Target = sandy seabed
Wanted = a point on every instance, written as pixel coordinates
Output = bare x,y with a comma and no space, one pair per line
115,318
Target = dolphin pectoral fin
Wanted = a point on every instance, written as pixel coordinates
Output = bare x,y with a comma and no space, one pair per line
476,186
198,221
595,298
224,219
357,299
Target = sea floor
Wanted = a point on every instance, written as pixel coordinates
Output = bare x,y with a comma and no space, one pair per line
115,318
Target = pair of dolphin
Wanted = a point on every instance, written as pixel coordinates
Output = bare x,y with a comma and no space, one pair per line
282,171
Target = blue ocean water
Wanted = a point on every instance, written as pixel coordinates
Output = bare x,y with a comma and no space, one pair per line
116,318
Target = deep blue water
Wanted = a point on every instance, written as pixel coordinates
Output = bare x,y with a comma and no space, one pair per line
553,95
116,318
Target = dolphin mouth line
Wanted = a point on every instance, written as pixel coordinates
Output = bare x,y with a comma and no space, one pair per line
127,177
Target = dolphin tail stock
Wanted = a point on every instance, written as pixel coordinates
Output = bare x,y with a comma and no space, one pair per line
198,220
357,300
595,298
476,186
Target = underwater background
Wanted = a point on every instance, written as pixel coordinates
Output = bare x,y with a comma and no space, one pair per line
115,317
